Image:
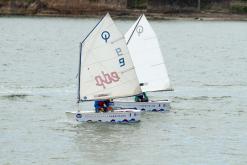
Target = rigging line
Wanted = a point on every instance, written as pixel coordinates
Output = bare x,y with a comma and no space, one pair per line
161,90
116,40
93,29
149,38
157,64
127,70
134,29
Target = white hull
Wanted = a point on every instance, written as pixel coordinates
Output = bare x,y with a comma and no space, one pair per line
155,106
118,116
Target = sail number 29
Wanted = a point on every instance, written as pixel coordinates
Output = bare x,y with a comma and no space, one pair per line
120,54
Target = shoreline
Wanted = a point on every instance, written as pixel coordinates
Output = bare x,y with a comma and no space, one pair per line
200,16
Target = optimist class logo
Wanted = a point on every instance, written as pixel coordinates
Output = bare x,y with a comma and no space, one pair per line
139,30
105,35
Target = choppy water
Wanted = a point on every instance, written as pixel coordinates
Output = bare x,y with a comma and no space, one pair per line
207,63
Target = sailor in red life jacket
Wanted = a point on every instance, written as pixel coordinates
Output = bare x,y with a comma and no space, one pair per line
102,105
99,106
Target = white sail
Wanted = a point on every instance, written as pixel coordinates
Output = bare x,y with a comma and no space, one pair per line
106,69
147,57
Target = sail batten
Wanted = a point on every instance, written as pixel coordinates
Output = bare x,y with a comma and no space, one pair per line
147,57
107,69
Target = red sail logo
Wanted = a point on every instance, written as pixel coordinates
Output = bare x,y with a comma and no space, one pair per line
106,78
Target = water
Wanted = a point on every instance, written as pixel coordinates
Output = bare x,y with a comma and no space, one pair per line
207,63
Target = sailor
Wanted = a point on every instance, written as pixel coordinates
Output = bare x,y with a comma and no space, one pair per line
108,105
141,97
96,106
103,105
99,106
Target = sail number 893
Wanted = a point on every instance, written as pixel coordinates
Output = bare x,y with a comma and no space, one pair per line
121,59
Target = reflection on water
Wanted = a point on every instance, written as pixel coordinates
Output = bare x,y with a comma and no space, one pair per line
207,65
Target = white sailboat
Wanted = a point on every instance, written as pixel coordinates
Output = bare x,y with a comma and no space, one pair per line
149,65
106,71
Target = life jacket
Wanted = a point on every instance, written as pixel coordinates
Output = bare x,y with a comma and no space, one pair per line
101,103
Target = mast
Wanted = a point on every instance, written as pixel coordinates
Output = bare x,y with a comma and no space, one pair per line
79,75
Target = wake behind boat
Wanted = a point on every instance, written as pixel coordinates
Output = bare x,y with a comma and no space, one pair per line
106,72
149,65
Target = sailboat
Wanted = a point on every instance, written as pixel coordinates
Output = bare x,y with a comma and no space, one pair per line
106,71
149,65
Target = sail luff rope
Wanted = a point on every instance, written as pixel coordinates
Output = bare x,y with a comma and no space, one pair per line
134,29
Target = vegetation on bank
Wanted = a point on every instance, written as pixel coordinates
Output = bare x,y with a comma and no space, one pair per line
239,6
121,7
27,1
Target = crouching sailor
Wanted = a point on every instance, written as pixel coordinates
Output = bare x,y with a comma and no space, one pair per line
142,97
103,105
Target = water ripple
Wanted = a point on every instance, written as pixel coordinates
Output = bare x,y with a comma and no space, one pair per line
15,96
202,98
